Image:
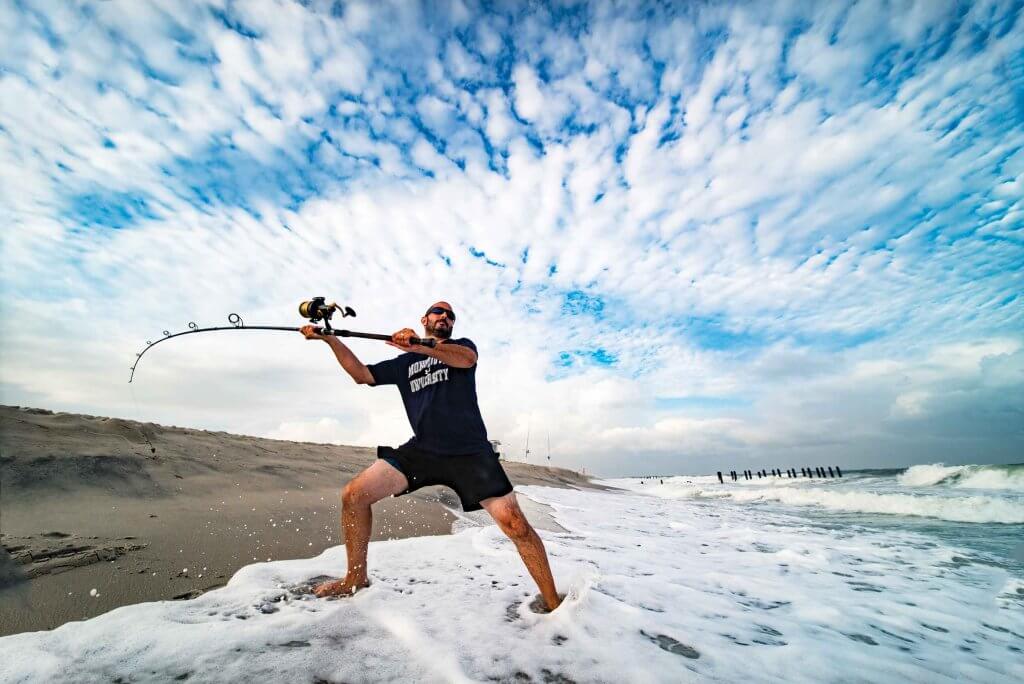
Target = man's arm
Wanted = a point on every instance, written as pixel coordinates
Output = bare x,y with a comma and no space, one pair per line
352,365
454,355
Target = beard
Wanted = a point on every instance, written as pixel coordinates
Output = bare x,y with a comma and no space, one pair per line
440,330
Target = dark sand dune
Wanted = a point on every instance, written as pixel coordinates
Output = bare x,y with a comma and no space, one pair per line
98,512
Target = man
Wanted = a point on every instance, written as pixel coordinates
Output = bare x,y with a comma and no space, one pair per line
449,447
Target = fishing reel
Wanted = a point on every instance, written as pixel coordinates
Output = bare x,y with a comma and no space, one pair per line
317,310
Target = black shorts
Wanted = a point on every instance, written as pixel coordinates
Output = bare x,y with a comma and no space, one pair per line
474,477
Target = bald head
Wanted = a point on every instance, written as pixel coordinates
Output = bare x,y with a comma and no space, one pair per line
439,320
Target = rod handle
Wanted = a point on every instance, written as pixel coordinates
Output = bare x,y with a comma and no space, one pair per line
426,342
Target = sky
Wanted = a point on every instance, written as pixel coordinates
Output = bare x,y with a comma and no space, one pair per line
685,237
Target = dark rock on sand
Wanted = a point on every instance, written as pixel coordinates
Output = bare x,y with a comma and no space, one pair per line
39,555
672,645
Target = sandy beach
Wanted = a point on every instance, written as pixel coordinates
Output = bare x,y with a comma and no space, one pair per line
97,513
878,575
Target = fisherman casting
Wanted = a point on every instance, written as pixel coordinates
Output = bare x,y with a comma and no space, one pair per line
449,446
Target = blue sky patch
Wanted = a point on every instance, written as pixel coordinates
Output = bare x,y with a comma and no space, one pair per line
480,254
717,333
585,357
578,302
108,210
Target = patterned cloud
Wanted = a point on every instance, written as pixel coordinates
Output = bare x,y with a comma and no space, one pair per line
684,237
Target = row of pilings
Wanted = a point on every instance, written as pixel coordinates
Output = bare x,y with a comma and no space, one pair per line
817,471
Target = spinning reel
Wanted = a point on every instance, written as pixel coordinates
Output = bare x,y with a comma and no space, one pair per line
316,310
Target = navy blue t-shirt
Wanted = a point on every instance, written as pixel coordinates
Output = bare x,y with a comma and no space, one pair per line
439,400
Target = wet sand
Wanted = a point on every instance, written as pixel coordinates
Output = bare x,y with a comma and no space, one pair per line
97,513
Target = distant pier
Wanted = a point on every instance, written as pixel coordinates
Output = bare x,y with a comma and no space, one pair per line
817,472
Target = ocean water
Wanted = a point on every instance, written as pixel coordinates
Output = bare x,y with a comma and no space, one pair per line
976,508
855,581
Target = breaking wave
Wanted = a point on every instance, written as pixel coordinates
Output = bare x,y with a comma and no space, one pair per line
1010,477
974,509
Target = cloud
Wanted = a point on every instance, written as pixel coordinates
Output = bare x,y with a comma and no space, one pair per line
680,235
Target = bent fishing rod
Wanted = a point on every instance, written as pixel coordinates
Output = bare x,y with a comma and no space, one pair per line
317,310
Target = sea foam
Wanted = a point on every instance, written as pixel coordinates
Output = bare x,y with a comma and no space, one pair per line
659,590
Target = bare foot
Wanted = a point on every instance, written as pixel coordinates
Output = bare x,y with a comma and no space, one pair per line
339,588
539,605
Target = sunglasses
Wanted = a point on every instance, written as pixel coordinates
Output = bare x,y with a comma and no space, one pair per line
438,310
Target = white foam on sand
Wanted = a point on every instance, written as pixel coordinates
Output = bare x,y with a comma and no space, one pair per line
660,590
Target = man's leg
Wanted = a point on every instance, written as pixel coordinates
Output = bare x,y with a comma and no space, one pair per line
506,512
379,481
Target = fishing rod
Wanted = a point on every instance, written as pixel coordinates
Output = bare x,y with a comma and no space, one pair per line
317,310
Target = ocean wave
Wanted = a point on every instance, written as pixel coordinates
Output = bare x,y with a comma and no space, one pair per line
974,509
1009,477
